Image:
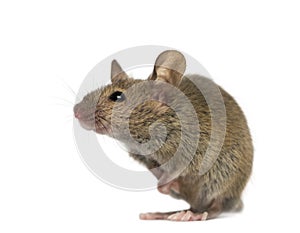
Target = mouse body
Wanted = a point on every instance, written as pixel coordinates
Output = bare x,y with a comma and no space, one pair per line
166,122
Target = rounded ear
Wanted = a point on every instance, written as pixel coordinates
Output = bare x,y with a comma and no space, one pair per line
117,74
169,67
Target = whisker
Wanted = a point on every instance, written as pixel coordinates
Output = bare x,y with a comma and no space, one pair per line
69,120
61,99
66,85
94,82
100,119
104,124
62,105
104,127
105,120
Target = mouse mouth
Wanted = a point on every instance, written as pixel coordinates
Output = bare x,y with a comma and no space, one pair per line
85,118
92,120
98,127
86,122
87,125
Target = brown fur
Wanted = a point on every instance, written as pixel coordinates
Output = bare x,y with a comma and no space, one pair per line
221,187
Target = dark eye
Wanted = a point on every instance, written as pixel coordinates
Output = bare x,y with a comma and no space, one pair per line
117,96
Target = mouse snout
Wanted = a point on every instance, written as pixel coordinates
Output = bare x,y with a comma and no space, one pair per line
85,118
77,115
77,111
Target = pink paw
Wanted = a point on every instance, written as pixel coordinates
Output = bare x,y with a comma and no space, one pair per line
188,216
178,216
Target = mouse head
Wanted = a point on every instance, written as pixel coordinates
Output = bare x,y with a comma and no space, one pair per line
134,102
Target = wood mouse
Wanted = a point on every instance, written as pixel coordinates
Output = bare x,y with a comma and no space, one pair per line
149,117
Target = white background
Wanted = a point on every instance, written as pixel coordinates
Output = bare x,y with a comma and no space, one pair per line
251,48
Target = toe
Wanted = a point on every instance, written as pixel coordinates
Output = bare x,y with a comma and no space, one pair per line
187,216
176,216
204,216
144,216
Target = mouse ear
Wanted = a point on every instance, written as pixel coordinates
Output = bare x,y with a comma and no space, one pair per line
169,67
117,73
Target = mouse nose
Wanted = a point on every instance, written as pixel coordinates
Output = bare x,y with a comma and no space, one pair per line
77,115
77,112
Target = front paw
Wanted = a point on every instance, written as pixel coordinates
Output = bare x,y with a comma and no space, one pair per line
167,188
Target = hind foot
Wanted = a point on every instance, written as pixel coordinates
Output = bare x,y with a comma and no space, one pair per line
185,215
188,216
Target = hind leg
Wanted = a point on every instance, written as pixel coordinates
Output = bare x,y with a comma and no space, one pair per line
214,209
188,215
184,215
233,204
